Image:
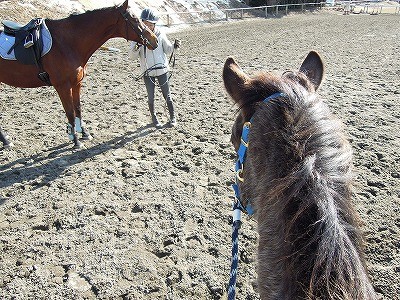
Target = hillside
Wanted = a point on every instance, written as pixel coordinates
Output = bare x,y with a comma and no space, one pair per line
23,11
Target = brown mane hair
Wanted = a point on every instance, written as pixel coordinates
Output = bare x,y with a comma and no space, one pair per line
298,176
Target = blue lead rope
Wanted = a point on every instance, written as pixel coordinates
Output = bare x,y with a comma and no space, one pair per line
235,252
237,205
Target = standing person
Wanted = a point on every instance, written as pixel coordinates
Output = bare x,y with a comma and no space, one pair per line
154,65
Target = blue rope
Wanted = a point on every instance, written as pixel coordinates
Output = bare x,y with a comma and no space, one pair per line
237,206
235,253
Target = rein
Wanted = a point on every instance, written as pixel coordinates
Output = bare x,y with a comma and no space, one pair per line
159,66
145,42
134,26
238,206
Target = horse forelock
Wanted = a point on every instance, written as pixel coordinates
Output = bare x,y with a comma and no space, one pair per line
262,85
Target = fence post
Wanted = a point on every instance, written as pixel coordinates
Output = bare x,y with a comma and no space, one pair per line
287,9
266,12
168,21
226,15
277,9
241,13
209,16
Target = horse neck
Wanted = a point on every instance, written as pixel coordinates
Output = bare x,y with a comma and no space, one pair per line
88,31
305,193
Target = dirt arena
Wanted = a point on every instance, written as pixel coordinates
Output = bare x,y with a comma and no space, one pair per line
144,213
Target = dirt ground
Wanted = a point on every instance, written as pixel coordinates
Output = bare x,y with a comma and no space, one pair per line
144,213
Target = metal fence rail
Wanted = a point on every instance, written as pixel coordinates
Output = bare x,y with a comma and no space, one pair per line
368,7
193,17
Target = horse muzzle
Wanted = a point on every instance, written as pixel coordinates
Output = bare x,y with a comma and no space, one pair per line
152,43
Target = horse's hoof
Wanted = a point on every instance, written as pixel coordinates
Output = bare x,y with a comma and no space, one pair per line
8,146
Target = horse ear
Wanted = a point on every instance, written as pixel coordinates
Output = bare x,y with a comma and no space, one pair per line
313,68
125,4
234,80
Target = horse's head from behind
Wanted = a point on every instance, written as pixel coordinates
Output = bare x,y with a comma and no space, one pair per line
248,92
295,170
135,30
276,117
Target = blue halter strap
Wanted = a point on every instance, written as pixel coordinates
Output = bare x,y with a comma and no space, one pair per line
238,207
244,143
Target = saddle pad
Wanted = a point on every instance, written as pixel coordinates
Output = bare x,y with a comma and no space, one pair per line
7,41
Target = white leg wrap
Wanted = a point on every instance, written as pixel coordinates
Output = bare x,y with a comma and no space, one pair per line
78,125
237,215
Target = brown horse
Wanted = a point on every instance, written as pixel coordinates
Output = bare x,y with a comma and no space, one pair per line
74,40
297,175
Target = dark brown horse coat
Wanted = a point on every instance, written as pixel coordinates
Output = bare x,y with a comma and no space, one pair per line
298,177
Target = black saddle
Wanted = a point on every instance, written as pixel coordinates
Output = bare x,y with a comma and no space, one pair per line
11,27
28,43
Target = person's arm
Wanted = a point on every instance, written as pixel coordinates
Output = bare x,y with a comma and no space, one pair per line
168,47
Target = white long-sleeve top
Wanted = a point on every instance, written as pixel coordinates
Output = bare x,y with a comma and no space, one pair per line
153,58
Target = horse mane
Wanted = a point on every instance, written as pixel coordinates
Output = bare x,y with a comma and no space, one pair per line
75,15
89,12
300,165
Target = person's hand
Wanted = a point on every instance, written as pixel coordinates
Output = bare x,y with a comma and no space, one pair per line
177,44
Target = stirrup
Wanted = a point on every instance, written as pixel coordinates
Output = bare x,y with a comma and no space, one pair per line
28,41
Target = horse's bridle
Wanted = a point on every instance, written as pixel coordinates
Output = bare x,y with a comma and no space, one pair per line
125,14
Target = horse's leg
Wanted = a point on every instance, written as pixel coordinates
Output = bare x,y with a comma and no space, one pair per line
65,93
4,138
79,125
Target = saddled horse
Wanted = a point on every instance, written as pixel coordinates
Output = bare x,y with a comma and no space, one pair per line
295,171
74,40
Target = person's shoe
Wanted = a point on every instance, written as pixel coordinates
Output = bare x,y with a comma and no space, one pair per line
173,122
7,144
156,123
